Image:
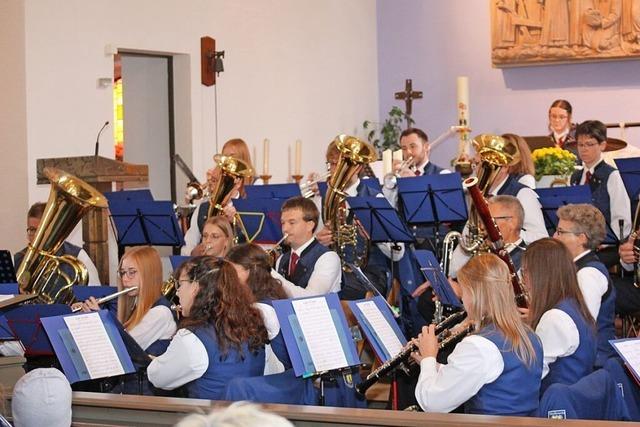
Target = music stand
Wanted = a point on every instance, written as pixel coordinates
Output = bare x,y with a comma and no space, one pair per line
372,183
178,260
139,223
25,322
630,173
271,191
7,270
431,200
433,273
143,195
9,289
261,218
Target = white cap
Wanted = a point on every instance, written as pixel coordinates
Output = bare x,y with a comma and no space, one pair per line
42,397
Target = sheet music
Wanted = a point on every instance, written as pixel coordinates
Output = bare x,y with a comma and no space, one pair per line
630,351
320,333
381,326
94,344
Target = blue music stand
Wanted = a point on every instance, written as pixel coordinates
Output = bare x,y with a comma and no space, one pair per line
379,219
433,273
296,342
178,260
9,289
372,183
129,196
68,353
7,271
630,173
271,191
370,332
145,223
261,218
25,322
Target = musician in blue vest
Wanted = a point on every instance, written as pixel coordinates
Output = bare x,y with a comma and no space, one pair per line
559,313
581,227
34,216
308,268
607,189
221,336
495,370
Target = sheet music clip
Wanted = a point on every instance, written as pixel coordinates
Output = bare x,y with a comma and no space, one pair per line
7,270
261,218
433,273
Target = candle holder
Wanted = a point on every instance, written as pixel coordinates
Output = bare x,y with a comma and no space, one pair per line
265,179
297,178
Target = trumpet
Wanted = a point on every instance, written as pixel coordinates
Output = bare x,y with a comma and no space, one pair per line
307,189
445,338
78,306
390,180
275,251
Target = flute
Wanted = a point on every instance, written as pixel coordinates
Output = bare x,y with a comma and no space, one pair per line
107,298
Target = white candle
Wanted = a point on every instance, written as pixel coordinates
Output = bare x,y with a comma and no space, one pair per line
265,155
298,156
462,100
387,161
397,155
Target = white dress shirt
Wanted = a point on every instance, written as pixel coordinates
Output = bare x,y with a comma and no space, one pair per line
528,180
533,225
185,360
193,236
619,203
272,364
92,271
559,336
157,324
326,276
593,286
475,361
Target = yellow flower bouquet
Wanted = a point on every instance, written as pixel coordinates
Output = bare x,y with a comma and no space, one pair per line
553,161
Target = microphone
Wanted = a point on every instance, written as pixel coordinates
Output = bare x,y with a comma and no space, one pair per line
98,137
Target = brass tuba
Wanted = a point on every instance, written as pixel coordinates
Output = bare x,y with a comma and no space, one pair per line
40,271
354,154
495,153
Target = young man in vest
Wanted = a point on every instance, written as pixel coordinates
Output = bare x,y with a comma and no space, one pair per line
34,216
308,268
415,146
607,189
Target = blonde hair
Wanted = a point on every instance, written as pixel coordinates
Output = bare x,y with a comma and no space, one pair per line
492,301
131,310
241,152
525,165
225,226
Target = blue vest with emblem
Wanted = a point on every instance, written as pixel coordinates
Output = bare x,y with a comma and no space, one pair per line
511,186
432,169
160,346
598,186
223,368
606,315
517,390
570,369
305,266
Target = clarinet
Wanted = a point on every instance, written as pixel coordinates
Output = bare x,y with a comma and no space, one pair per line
447,338
497,243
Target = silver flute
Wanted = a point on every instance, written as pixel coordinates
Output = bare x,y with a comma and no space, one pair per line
107,298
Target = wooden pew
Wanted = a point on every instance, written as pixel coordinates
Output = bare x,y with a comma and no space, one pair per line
91,409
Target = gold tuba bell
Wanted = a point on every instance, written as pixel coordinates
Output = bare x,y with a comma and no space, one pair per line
40,271
354,154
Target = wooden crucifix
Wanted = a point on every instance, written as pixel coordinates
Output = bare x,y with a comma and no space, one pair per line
408,96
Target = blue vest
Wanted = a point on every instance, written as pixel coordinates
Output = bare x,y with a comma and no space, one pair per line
606,315
305,266
160,346
278,345
202,214
211,385
66,249
511,186
516,255
517,390
598,186
431,169
570,369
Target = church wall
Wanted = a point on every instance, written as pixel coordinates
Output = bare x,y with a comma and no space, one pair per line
432,42
293,69
13,135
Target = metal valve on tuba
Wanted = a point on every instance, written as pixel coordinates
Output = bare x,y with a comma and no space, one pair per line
40,271
349,240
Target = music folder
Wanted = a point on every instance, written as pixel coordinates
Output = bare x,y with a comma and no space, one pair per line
433,273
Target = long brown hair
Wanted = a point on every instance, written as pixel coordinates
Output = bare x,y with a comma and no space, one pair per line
241,152
131,310
551,276
525,165
492,301
223,303
222,222
253,258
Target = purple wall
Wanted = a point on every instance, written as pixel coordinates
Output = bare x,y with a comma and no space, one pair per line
432,42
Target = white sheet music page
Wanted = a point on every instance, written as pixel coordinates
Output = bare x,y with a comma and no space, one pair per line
381,326
630,350
94,344
320,333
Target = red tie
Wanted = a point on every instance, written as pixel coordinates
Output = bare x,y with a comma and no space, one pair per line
418,173
587,178
293,262
561,142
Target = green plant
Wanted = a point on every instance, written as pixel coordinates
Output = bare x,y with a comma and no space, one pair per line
386,135
553,161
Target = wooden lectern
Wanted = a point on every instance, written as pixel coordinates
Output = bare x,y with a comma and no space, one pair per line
101,173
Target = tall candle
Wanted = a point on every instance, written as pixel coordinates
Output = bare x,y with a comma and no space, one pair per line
265,157
462,100
387,161
298,156
397,155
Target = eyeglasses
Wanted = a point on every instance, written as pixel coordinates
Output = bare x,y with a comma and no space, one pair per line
31,230
588,144
503,217
560,232
130,273
557,117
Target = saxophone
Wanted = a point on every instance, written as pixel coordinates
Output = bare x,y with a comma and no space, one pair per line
350,241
